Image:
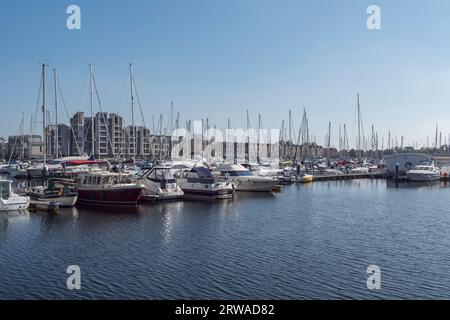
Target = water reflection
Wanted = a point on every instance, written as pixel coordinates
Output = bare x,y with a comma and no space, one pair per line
391,184
9,219
287,245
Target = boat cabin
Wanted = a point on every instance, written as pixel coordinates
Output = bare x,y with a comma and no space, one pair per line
5,189
196,175
100,179
159,174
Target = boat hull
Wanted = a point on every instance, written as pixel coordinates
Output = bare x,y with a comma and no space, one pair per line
128,196
161,195
218,194
254,185
65,201
35,173
14,204
420,177
307,178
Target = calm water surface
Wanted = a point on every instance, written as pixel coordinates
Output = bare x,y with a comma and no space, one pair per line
310,241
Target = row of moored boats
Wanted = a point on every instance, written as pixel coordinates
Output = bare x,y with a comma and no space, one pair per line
86,181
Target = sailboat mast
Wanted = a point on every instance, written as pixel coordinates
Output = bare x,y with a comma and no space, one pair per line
359,127
55,78
92,110
290,126
329,142
132,111
44,149
171,117
22,149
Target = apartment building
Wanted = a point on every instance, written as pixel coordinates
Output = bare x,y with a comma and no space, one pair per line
116,132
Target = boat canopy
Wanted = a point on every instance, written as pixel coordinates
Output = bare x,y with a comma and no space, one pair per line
202,172
159,174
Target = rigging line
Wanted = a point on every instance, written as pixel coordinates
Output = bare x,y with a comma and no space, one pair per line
14,146
122,97
68,117
139,102
37,108
82,89
103,116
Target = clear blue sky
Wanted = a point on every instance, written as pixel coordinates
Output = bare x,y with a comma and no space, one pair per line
216,58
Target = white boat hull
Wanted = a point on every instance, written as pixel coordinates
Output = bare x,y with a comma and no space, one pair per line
15,204
148,194
423,177
63,201
254,185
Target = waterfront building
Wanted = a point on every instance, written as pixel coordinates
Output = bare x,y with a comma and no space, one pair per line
137,142
24,147
130,134
78,134
3,146
160,146
143,142
405,161
101,138
115,128
63,143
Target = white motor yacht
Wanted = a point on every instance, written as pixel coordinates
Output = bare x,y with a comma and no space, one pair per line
159,184
244,180
9,201
423,173
199,182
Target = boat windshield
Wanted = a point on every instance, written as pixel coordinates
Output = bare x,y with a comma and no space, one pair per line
4,190
160,174
424,168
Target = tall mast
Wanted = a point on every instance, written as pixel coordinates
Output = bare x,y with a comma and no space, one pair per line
259,138
345,138
22,149
171,117
329,142
389,140
160,135
290,125
44,149
359,127
55,77
436,137
92,110
132,111
203,137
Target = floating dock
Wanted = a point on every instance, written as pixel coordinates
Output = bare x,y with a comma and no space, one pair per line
348,176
